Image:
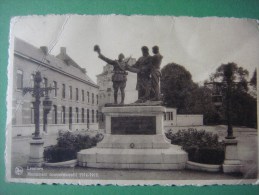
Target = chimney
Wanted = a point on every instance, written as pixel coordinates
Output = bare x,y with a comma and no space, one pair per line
63,51
44,49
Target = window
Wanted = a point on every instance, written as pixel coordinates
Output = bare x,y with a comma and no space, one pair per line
32,114
63,115
92,116
77,115
70,92
88,96
169,116
102,117
54,115
83,115
45,82
55,89
83,96
76,94
63,91
97,117
32,80
19,79
45,85
92,98
97,99
87,116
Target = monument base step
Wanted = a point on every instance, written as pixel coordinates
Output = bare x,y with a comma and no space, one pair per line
172,158
134,141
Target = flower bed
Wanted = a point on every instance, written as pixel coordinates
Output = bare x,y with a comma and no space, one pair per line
68,144
201,146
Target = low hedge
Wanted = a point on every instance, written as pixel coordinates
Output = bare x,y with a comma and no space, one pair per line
68,144
206,155
201,146
55,153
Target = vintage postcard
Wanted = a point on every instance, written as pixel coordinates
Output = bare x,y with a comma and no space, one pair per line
132,100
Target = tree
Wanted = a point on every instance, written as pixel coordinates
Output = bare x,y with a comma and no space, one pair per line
253,80
243,105
179,91
253,85
177,87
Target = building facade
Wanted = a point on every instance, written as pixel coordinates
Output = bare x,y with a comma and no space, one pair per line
74,102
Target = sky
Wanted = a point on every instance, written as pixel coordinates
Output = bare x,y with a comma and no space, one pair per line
198,44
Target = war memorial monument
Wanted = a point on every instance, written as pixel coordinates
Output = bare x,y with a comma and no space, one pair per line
134,137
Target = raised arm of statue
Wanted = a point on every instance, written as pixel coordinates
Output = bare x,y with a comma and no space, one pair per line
109,61
101,56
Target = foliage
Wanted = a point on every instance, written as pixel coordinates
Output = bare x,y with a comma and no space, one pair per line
243,104
176,86
179,91
253,80
213,156
201,146
239,77
68,144
243,109
55,153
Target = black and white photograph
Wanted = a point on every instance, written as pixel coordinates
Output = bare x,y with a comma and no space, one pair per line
132,100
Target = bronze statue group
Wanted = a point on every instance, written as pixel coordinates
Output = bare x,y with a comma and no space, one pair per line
147,68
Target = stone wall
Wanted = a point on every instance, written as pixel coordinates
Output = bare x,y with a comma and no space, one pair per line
189,120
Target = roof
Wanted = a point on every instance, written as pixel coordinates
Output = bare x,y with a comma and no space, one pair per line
67,66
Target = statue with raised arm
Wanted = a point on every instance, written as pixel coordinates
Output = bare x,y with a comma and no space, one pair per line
155,74
119,76
143,69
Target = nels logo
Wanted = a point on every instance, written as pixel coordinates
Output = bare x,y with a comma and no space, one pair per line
18,170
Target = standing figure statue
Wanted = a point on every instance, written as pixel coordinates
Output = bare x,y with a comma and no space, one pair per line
143,68
155,74
119,76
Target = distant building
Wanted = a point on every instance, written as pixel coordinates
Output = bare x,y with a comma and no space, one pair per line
172,119
75,102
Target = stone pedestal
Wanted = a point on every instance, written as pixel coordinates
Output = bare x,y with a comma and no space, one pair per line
231,163
36,153
134,139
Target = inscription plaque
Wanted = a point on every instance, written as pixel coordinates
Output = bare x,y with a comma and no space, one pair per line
143,125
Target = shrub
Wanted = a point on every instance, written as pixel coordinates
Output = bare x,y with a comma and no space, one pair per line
68,144
58,154
201,146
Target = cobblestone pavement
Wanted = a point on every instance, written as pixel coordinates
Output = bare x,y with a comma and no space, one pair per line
247,150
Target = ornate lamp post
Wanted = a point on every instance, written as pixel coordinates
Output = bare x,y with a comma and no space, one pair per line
217,97
228,73
36,144
231,164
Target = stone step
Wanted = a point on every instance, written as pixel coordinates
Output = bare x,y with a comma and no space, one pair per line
171,158
134,141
